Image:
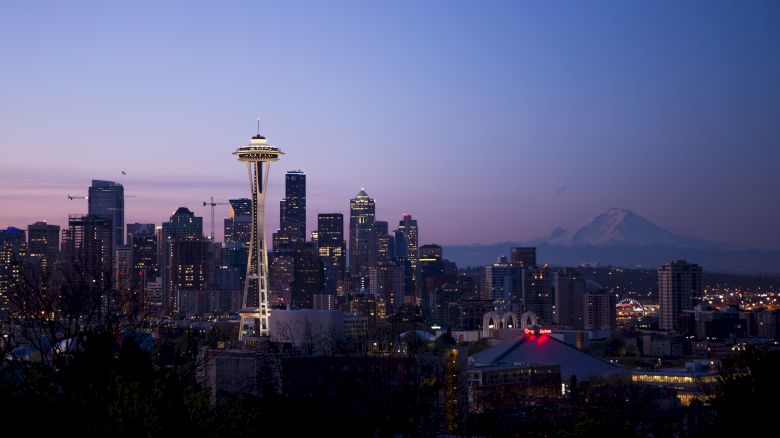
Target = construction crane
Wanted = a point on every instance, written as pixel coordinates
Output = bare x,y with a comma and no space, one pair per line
213,204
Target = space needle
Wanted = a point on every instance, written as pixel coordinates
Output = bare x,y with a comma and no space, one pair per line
255,312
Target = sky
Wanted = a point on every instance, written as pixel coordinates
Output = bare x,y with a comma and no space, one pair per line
487,121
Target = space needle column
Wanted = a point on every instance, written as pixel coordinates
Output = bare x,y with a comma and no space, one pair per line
255,312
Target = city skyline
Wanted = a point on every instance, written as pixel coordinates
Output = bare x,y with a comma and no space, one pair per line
670,111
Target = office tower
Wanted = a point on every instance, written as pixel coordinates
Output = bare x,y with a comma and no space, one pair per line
569,292
386,281
137,228
431,252
332,249
107,201
258,156
142,241
524,257
433,271
307,276
503,285
292,209
88,250
184,257
281,275
238,224
43,244
406,240
13,251
362,235
382,241
600,311
680,288
123,266
537,293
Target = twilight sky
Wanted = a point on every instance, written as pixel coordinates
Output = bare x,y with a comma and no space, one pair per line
488,121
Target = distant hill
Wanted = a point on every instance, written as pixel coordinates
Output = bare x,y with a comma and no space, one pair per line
623,238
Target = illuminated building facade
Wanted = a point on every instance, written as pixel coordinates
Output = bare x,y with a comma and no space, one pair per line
43,244
406,236
523,257
258,156
503,285
184,258
537,292
13,251
332,249
292,209
363,251
680,288
107,200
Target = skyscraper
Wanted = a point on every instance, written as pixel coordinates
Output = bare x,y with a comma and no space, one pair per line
293,207
258,156
406,243
107,201
238,224
537,292
382,241
43,243
88,250
362,235
185,253
503,285
143,244
13,251
600,311
524,257
679,287
332,249
569,292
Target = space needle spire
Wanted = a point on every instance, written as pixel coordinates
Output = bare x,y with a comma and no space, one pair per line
255,311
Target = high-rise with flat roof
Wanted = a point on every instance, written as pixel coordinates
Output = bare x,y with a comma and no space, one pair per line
107,200
332,249
43,243
293,207
679,288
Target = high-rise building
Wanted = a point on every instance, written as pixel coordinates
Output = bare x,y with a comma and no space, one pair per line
142,241
433,272
524,257
293,207
107,200
255,313
332,249
184,259
43,244
680,288
600,310
537,292
13,251
238,224
363,251
503,285
386,281
569,292
88,250
382,241
307,276
406,240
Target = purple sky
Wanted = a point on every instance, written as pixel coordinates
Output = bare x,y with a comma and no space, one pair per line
487,122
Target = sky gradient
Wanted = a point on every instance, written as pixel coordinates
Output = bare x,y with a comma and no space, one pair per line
488,121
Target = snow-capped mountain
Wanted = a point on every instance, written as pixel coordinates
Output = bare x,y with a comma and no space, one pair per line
621,227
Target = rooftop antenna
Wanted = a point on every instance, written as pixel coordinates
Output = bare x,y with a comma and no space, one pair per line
258,126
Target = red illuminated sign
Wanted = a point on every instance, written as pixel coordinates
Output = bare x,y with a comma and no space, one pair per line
537,331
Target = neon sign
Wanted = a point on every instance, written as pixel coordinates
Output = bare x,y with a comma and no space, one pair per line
537,331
